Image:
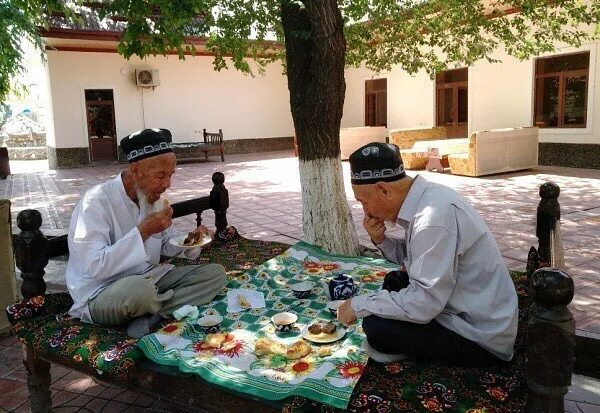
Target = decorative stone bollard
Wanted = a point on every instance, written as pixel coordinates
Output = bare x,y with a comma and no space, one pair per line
31,256
31,253
548,213
219,201
550,341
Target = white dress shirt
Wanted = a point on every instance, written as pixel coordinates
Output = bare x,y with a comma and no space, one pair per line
457,274
106,245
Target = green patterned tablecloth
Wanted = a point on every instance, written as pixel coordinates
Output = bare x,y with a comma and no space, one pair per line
328,379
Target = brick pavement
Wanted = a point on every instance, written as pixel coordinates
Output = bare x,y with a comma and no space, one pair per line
266,204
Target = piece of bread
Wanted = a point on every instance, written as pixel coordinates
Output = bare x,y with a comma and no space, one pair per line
266,346
243,302
329,328
215,340
324,351
192,238
298,350
315,329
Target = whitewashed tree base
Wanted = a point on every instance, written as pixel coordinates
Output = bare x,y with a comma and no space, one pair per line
326,218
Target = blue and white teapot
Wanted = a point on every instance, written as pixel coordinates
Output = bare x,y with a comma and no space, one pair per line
340,287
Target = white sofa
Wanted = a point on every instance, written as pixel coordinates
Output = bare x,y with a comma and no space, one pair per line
497,151
353,138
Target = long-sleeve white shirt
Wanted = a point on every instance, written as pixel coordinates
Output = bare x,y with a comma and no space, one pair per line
457,274
106,245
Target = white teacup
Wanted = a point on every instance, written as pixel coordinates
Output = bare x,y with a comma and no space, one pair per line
284,321
210,323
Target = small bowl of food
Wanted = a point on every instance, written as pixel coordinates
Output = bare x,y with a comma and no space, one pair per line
333,306
284,321
210,323
302,289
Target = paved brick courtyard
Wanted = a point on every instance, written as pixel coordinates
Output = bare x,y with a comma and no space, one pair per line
266,204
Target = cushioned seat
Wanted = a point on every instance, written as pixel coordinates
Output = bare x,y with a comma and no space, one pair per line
497,151
413,158
406,138
43,322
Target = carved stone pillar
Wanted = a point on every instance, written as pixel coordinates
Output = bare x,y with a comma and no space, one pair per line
550,341
31,253
219,201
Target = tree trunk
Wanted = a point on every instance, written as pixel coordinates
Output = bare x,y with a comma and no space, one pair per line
315,57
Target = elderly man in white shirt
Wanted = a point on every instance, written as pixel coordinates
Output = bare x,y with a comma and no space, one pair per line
118,231
453,300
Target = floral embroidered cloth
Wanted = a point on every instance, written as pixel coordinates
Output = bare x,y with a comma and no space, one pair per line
418,386
329,378
43,322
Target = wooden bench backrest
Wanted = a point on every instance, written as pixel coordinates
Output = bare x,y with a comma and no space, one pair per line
211,138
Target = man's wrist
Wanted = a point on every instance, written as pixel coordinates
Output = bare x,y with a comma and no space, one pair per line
143,232
377,242
358,306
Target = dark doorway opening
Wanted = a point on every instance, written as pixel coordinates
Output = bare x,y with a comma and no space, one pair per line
101,127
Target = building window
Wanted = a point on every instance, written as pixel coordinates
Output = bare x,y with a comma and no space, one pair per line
376,102
452,101
561,88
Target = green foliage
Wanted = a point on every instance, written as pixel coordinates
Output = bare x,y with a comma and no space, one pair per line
5,113
19,20
415,35
435,34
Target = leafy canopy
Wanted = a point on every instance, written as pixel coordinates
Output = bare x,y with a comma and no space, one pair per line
416,35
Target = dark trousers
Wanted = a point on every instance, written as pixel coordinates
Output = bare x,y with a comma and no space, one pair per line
429,342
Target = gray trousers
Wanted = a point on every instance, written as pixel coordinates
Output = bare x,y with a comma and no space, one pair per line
136,295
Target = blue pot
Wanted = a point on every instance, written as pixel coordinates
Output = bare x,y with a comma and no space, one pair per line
341,287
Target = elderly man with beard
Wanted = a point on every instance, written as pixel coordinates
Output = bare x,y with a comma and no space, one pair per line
119,230
453,300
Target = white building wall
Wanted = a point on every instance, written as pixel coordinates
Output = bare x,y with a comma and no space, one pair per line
191,96
500,96
410,99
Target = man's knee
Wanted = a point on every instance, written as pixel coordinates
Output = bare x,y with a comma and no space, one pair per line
140,297
376,329
372,327
213,273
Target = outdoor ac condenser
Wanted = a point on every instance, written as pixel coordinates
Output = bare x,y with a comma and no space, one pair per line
147,78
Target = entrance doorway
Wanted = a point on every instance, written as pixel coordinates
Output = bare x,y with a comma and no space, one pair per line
452,102
101,127
376,102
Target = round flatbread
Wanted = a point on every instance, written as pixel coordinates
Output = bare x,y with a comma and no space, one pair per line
298,350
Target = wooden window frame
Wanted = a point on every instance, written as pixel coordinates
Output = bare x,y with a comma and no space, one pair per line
562,76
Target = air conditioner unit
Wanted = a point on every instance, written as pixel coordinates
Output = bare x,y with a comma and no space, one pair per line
147,78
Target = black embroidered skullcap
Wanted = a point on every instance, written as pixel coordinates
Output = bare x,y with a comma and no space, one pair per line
146,143
376,162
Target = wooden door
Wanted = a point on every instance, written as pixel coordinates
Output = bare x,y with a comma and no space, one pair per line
452,102
101,127
376,102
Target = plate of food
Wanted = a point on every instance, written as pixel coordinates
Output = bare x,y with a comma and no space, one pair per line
323,332
191,240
